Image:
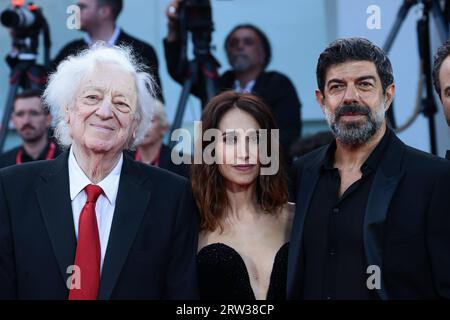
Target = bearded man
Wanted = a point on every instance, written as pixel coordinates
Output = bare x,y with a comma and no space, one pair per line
372,214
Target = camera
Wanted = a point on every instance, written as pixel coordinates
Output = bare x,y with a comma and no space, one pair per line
26,21
196,17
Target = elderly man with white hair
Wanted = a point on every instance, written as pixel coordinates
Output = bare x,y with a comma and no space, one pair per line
93,223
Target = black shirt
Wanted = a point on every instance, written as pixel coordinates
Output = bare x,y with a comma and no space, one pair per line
9,158
335,262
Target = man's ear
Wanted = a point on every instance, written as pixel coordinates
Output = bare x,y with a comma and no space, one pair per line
320,99
67,114
389,96
48,119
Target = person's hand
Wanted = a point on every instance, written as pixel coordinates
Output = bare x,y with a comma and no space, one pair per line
173,22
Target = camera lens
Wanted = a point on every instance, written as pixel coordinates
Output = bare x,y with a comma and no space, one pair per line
18,18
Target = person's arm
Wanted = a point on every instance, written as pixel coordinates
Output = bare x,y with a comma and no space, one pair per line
172,43
181,279
7,265
438,235
177,65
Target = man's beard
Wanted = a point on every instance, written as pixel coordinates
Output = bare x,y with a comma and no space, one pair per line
240,62
356,132
32,136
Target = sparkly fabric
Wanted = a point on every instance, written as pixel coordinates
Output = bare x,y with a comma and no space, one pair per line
223,275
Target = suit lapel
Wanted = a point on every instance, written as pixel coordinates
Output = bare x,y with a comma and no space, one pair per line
131,206
308,181
385,183
53,196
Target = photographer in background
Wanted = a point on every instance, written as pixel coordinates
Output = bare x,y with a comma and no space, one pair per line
249,53
98,21
32,122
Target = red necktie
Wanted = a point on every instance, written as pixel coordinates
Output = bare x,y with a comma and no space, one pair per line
87,257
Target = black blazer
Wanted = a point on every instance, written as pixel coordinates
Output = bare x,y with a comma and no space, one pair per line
8,158
165,162
143,50
406,225
273,87
152,246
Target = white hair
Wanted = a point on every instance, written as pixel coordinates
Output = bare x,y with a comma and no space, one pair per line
61,89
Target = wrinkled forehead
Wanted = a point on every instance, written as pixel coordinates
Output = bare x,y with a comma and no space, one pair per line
244,33
351,70
28,103
109,77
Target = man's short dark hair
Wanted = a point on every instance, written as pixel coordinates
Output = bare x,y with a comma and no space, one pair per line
115,5
354,49
31,93
262,36
442,53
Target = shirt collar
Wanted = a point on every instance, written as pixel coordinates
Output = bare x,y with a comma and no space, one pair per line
247,89
78,179
372,161
111,42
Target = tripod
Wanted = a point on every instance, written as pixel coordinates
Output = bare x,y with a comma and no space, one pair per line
28,75
25,72
428,103
201,71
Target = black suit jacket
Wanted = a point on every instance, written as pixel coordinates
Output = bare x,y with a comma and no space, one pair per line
152,246
273,87
447,155
143,50
165,162
406,229
9,157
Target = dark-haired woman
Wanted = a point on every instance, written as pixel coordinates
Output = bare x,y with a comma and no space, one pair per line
245,217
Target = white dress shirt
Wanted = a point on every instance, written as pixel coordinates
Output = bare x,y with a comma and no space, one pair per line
247,89
106,203
111,42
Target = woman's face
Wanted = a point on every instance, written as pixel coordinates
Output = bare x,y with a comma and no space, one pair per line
237,150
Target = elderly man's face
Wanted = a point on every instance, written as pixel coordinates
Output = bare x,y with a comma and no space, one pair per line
103,118
353,101
444,80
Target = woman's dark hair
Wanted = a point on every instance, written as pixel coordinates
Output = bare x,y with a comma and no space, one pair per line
208,184
262,36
